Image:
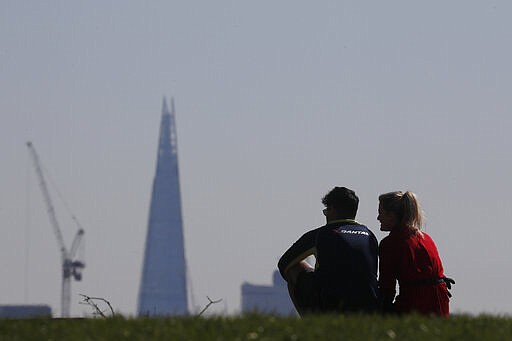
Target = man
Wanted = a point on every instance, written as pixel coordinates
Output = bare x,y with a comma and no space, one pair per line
344,279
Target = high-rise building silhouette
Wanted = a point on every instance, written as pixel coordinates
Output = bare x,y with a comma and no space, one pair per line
163,289
268,299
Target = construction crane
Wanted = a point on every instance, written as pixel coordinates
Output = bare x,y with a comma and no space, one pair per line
71,266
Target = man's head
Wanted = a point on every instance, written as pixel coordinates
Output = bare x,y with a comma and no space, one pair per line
341,203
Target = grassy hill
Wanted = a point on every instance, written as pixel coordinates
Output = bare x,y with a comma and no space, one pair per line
262,327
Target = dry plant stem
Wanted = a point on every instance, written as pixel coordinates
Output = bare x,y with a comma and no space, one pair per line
208,305
90,301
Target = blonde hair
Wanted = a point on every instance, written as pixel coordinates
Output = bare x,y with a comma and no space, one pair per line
406,208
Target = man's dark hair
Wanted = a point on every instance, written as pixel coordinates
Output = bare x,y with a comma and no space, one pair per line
343,200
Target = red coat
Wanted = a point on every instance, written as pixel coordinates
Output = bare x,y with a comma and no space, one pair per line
413,261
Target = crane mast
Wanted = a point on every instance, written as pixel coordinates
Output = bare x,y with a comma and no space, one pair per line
71,267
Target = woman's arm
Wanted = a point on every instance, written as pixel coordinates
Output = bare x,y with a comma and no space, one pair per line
388,269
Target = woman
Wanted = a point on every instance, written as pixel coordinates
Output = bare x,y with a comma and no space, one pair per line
409,256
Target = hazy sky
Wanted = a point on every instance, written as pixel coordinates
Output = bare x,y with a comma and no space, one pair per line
276,103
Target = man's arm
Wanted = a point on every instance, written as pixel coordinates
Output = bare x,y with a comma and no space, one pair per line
296,254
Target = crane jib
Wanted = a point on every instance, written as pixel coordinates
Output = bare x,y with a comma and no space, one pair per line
71,268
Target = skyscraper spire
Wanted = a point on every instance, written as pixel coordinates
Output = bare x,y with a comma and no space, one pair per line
163,289
164,105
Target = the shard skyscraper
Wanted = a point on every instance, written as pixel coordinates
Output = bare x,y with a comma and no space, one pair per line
163,289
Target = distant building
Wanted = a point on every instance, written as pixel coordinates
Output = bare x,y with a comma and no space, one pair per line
25,311
272,299
163,289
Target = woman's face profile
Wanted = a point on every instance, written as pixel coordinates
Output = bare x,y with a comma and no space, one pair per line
387,219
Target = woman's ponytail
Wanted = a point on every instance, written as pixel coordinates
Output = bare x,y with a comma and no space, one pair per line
412,214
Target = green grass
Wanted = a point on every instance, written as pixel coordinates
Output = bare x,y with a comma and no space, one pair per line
262,327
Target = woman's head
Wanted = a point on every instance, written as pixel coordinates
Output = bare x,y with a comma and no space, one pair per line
399,210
